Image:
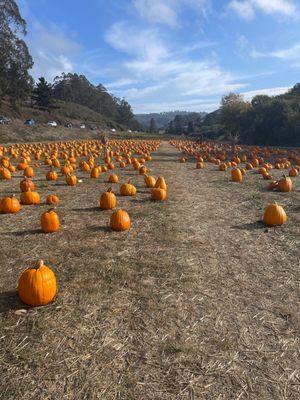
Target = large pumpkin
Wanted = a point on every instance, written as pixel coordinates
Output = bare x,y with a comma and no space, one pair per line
150,181
108,200
26,184
37,286
28,172
51,175
10,205
120,221
285,184
127,189
30,197
274,215
95,172
113,178
236,175
5,174
50,221
159,194
160,183
71,180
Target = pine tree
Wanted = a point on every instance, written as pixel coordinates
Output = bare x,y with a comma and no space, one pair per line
42,93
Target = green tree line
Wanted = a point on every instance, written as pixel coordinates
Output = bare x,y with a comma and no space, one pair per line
264,120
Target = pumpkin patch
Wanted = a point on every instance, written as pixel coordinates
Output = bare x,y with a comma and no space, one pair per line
144,234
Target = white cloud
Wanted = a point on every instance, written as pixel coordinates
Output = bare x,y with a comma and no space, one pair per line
151,58
290,54
269,92
162,74
243,8
52,50
145,43
246,8
157,11
167,11
120,83
285,7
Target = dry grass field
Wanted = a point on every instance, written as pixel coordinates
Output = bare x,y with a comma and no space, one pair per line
198,300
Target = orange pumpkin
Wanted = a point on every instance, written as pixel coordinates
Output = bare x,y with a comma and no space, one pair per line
150,181
10,205
158,194
71,180
120,221
108,200
285,184
236,175
113,178
50,221
127,189
30,197
52,199
161,183
51,175
37,286
274,215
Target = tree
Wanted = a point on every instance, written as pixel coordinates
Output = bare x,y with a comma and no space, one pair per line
234,112
77,89
178,125
190,128
42,93
15,81
125,113
170,128
152,127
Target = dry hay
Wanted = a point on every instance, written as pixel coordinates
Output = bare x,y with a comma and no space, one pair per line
197,301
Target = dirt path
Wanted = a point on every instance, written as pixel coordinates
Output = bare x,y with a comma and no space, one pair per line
197,301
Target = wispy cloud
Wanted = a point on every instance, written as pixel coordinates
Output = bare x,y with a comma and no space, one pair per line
53,50
289,55
269,92
167,12
157,11
247,8
164,73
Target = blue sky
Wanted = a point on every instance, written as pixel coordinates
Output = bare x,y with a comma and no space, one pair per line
163,55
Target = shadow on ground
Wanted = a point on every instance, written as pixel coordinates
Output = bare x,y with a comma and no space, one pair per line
10,301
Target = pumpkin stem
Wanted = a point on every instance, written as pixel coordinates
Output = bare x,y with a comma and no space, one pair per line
39,264
109,190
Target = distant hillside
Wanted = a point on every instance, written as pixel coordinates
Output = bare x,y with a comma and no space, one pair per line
161,119
62,112
265,120
185,123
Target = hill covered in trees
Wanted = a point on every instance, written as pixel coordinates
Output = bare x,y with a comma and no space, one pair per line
160,119
264,120
18,88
